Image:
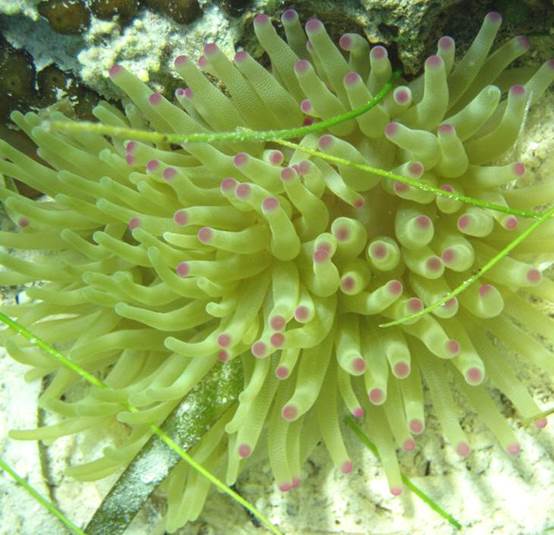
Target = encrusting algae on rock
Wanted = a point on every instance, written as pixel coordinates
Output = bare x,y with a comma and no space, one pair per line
172,259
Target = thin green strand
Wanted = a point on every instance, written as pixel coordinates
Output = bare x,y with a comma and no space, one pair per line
165,438
414,488
547,214
49,506
240,134
415,183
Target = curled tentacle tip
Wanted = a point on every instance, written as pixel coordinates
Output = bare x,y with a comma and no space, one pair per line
346,467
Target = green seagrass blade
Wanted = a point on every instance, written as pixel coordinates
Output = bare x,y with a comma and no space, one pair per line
186,425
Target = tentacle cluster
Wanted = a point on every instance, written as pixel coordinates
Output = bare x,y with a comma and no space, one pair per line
172,260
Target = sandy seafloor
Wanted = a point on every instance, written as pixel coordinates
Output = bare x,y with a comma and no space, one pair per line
489,493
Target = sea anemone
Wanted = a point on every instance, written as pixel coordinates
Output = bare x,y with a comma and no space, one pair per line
172,259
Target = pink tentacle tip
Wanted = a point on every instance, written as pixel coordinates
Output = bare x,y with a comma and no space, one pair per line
519,168
409,444
396,491
463,449
423,222
358,412
115,70
227,185
376,396
346,467
130,146
180,217
23,222
541,423
152,165
325,141
224,340
308,121
474,376
205,234
534,276
401,95
513,449
242,191
183,269
345,42
416,169
289,15
306,106
240,56
289,413
202,62
244,451
277,322
301,66
270,204
240,159
130,159
414,304
494,17
261,18
359,365
259,349
395,287
379,52
314,25
134,223
446,42
301,313
169,173
276,157
210,49
434,263
523,41
155,99
223,356
434,62
358,203
416,426
277,340
400,187
402,370
342,233
321,254
285,487
485,289
379,250
181,60
517,90
303,167
288,174
511,222
295,482
446,129
347,283
281,372
352,78
464,222
448,255
391,129
453,347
